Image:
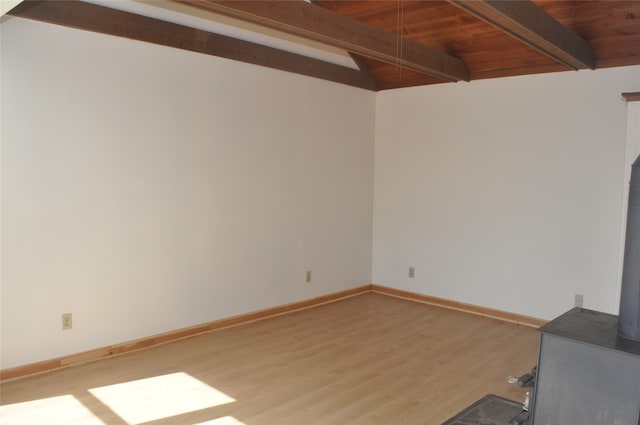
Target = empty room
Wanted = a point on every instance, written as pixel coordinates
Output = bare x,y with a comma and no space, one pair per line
320,212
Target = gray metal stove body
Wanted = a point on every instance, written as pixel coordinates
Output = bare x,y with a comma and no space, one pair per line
587,374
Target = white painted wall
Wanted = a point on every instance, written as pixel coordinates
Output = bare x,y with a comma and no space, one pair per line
504,193
145,189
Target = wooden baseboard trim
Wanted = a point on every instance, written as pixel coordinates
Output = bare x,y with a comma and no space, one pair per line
164,338
455,305
139,344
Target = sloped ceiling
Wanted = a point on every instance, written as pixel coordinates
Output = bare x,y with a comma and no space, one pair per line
378,44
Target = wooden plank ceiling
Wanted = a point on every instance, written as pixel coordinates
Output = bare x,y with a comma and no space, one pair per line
396,43
611,28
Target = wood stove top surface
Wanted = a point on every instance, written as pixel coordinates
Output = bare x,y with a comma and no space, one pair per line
591,327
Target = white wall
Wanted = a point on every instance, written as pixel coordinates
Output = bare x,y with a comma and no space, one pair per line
146,189
504,193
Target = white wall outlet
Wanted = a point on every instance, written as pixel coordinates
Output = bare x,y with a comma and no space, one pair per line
579,298
67,321
308,277
412,272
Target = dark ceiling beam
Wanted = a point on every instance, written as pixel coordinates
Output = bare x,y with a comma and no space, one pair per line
358,60
530,24
632,96
330,28
91,17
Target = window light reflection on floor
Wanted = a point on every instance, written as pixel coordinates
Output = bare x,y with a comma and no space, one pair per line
160,397
226,420
64,409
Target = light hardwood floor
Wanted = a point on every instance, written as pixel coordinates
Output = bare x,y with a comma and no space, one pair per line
369,359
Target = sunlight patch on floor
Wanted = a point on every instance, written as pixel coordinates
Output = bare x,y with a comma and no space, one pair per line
226,420
160,397
53,410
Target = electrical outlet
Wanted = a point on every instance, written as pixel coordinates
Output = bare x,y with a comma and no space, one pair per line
579,298
412,272
308,277
67,321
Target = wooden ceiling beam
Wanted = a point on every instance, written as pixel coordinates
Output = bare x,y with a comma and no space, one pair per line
325,26
530,24
100,19
632,96
358,60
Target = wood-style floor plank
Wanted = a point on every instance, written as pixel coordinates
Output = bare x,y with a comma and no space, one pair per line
370,359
